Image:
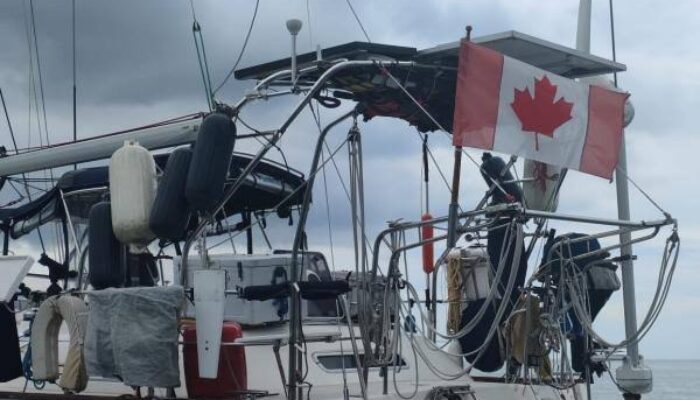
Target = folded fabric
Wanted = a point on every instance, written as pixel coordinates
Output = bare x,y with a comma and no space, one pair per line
133,333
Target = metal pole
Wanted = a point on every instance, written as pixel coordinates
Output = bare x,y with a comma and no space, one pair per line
583,43
628,290
295,354
583,31
75,89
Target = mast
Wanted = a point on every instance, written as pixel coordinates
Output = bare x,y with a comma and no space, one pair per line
632,376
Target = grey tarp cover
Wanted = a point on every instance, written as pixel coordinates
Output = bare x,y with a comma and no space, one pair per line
132,335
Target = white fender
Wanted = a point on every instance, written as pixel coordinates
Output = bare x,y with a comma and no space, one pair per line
44,340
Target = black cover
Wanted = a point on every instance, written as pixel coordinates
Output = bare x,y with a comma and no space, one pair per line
601,280
210,162
170,211
492,358
493,167
10,358
308,290
268,185
104,252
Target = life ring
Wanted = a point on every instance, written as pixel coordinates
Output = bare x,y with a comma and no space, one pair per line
44,341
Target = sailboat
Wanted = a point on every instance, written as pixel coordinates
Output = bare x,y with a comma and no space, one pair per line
281,324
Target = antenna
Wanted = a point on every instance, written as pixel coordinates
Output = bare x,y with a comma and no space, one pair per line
294,26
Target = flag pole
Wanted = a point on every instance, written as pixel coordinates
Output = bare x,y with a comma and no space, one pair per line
454,199
633,376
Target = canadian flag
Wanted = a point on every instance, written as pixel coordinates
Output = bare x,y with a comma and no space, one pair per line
508,106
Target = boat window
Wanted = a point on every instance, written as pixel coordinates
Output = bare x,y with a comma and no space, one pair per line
336,362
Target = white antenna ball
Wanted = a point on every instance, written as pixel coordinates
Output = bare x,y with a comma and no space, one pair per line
628,114
294,26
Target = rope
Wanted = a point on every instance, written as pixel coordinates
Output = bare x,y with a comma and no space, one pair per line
240,54
454,290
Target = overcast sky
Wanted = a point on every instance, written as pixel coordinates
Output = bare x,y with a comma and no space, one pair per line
136,64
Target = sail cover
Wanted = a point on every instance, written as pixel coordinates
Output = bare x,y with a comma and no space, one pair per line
270,185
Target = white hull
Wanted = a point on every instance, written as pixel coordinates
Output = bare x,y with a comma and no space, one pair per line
263,373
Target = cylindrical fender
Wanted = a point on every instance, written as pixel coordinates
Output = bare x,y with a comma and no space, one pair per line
170,212
44,341
104,250
210,162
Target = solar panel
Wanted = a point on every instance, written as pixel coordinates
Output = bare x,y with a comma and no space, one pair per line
543,54
538,52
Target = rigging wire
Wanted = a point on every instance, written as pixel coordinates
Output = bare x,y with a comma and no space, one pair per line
308,22
614,58
290,195
612,39
357,18
14,143
38,68
340,179
325,191
201,56
75,86
240,53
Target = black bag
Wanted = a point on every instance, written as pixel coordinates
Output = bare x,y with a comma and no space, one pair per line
10,358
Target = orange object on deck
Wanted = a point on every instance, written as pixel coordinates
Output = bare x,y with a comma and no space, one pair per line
428,248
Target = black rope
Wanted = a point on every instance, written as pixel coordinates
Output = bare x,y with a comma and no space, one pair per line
240,54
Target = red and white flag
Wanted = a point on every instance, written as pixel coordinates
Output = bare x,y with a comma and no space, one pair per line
511,107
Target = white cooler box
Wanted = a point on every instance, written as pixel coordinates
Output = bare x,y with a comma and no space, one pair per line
244,270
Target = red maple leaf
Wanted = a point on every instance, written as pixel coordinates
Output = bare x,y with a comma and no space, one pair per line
541,114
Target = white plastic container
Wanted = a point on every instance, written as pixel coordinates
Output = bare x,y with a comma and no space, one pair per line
132,186
476,274
539,186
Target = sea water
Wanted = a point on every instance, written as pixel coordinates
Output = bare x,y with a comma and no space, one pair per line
673,380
